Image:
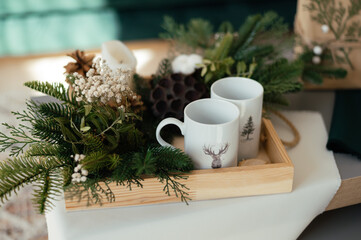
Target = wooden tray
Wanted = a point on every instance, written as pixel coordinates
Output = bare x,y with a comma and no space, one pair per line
275,177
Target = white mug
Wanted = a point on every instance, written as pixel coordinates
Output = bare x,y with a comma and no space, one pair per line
210,131
247,95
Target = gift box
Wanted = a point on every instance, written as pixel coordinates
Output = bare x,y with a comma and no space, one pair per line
334,25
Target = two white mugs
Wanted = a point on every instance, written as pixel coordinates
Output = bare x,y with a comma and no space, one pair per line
223,129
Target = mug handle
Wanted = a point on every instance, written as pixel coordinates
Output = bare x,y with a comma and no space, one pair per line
165,122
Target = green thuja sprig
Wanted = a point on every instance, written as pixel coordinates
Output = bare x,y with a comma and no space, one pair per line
17,141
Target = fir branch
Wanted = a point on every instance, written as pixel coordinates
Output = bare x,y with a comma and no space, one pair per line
164,68
47,189
101,161
172,159
197,34
42,149
16,172
144,165
48,130
92,143
55,110
279,78
56,90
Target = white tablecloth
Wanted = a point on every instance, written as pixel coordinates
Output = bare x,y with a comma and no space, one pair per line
279,216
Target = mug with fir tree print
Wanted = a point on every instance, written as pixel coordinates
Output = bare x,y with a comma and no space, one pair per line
247,95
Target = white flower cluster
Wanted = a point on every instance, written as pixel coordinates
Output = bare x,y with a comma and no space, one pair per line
186,64
103,84
80,174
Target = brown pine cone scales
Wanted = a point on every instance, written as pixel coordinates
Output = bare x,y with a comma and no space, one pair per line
172,93
83,62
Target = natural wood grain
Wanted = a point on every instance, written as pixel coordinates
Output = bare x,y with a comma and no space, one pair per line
276,177
348,194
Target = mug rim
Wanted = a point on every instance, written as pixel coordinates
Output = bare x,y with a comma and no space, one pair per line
186,116
217,82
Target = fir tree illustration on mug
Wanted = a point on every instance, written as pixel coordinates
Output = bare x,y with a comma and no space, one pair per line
217,161
248,129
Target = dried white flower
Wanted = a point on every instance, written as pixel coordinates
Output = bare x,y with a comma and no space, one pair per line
317,50
186,64
103,84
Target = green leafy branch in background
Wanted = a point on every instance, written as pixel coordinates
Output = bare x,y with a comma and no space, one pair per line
252,51
315,73
198,33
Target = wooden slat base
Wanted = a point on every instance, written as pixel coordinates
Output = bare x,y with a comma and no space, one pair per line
275,177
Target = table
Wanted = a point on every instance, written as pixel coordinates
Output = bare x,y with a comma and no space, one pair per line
349,166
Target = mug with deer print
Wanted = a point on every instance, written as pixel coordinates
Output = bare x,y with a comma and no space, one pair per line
247,95
210,131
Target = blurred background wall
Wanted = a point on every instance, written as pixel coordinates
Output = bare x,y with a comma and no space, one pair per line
47,26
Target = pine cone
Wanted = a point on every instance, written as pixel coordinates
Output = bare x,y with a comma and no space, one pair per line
172,94
83,62
135,103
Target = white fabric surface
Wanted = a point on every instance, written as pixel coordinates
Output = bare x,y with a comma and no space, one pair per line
279,216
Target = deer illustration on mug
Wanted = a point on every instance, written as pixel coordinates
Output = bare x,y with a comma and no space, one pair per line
217,161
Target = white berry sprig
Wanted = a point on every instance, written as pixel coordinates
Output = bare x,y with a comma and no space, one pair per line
80,174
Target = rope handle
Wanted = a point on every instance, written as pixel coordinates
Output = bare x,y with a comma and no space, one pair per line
296,134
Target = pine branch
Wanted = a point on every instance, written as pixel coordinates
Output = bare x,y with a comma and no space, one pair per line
197,34
56,90
144,165
54,110
42,149
48,130
100,161
92,143
47,189
279,78
172,159
16,172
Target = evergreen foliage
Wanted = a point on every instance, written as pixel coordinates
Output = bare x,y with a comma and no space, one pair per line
112,140
249,52
315,73
43,171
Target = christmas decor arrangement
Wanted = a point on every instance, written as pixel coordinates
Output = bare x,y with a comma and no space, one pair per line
329,41
200,56
100,133
249,52
93,136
